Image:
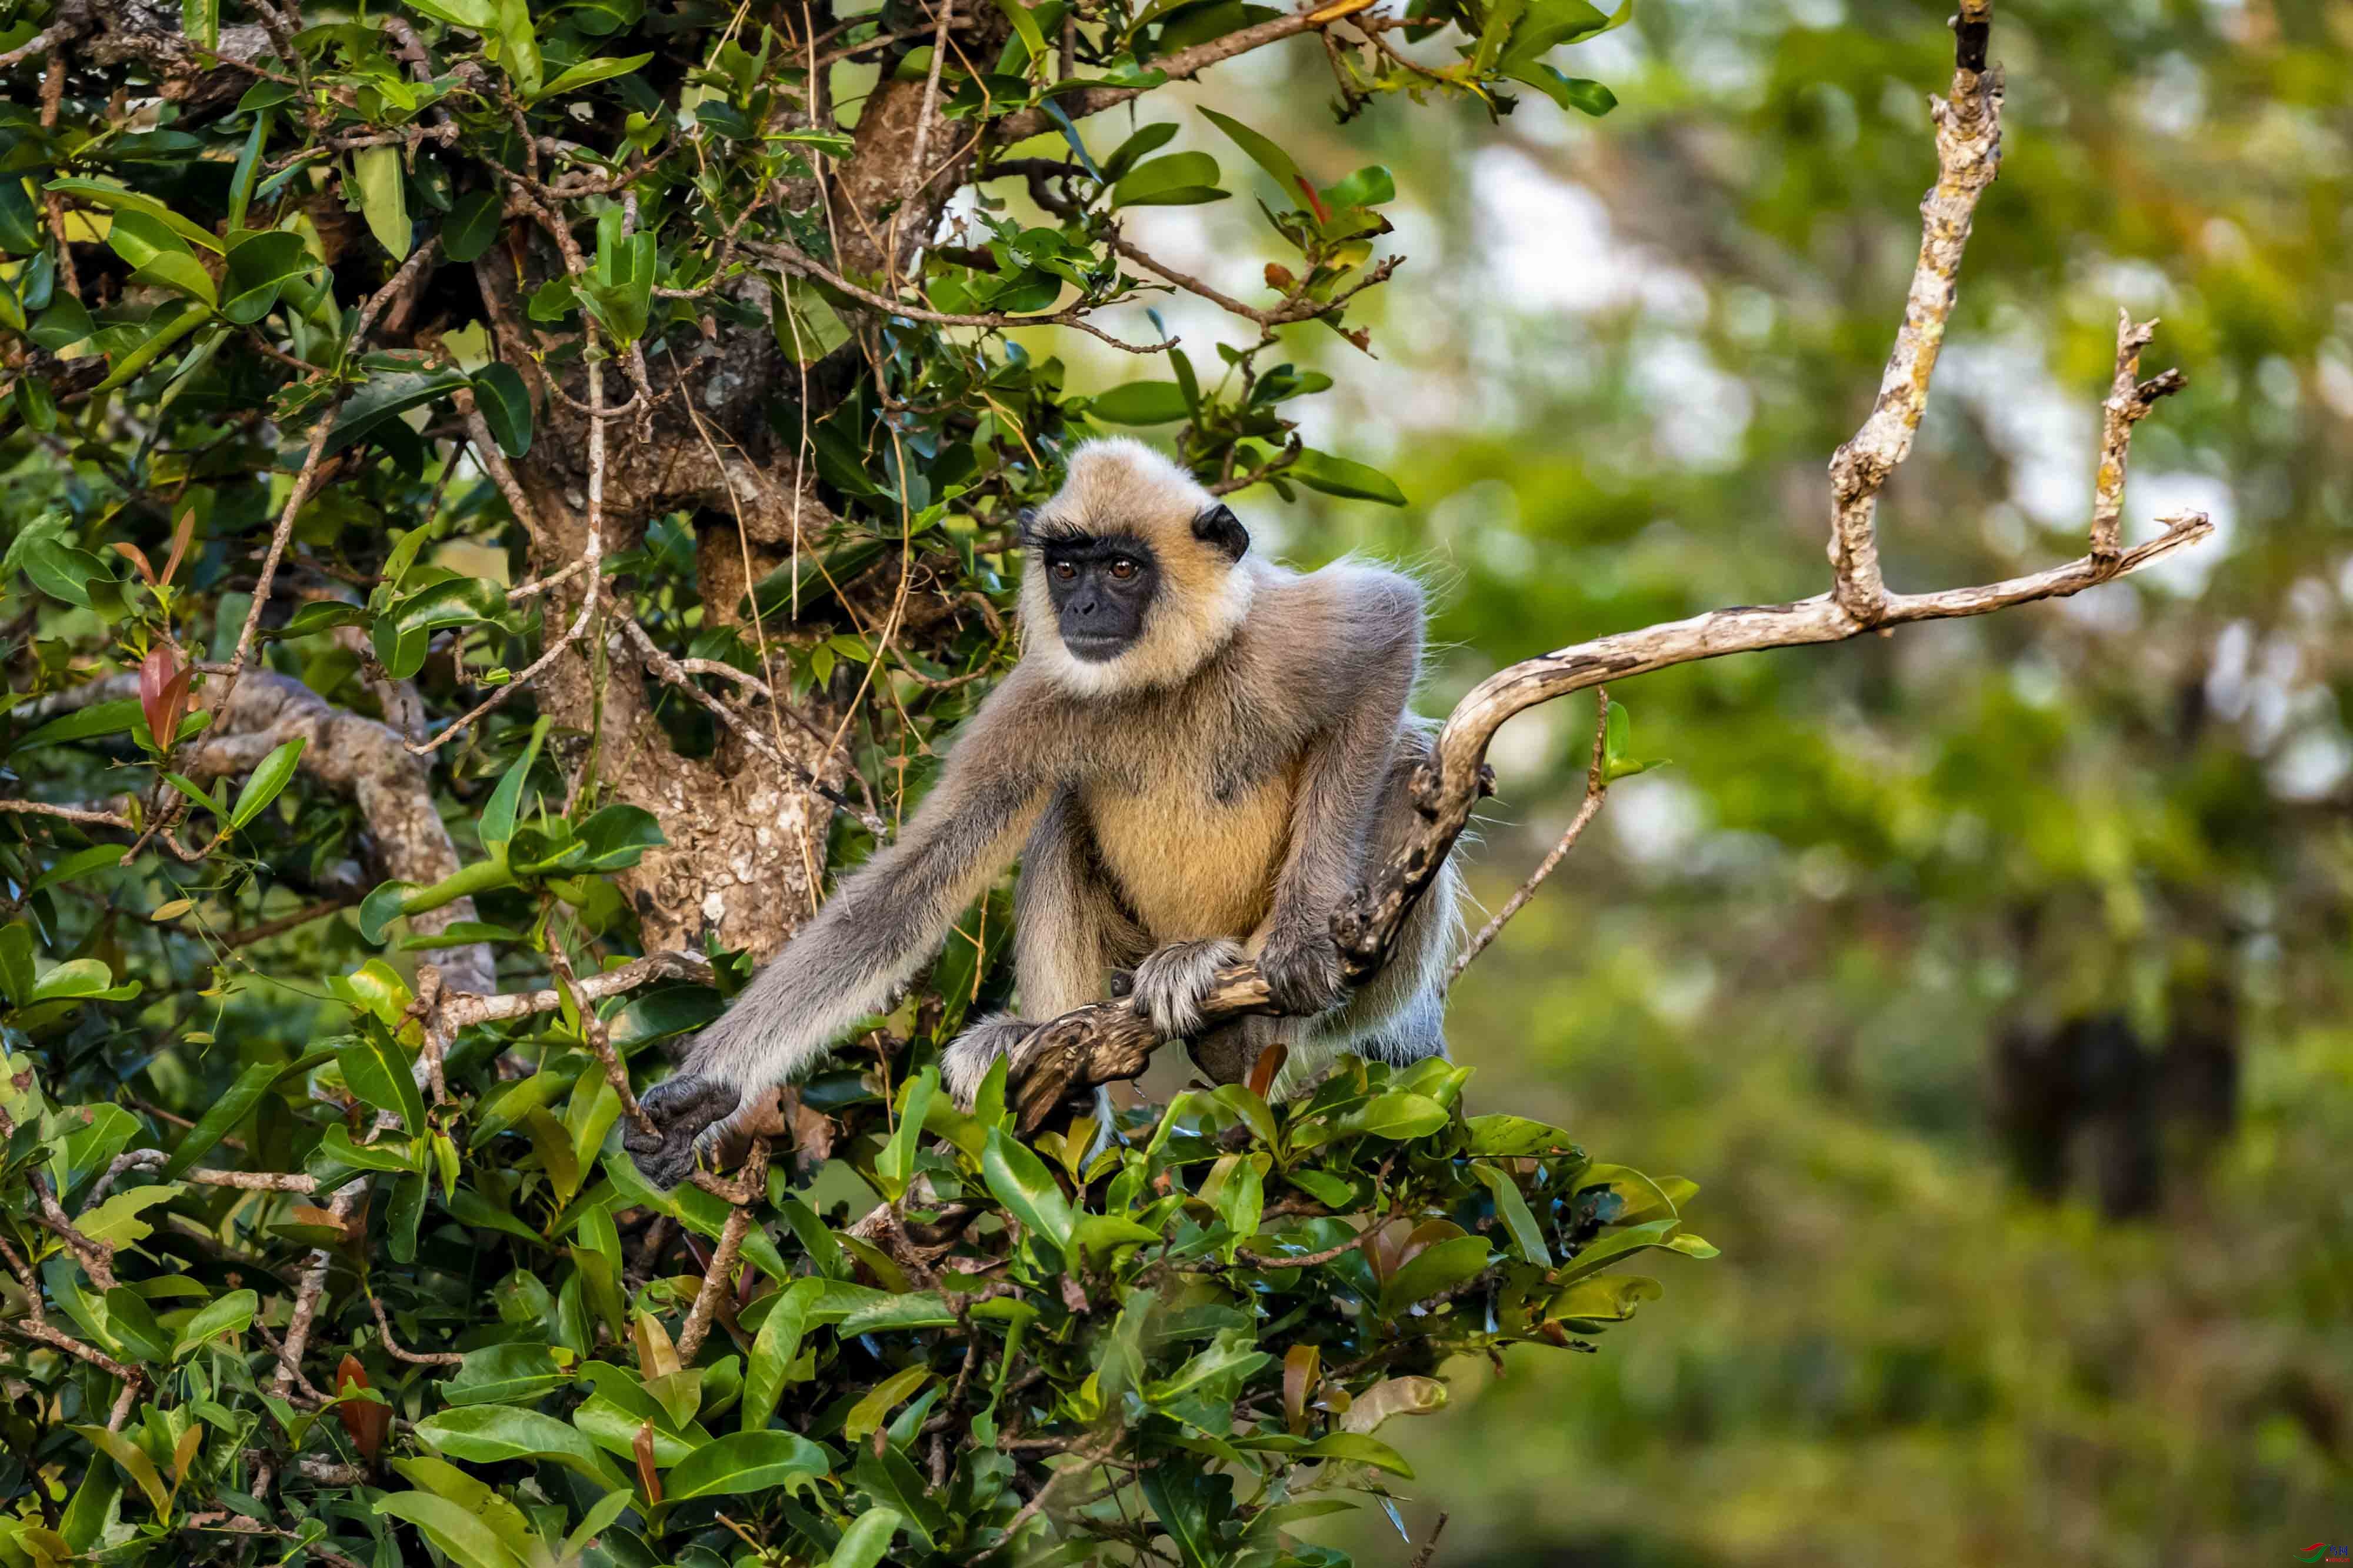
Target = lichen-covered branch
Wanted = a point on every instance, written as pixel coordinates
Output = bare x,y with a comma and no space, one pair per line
1968,157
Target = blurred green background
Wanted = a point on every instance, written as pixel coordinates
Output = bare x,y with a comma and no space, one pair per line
1992,979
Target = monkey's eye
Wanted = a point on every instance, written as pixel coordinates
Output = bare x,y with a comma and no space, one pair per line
1123,568
1065,571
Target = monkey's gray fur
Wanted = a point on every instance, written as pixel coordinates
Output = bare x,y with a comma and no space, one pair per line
1195,757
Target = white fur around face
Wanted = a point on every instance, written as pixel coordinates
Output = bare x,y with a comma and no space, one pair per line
1120,485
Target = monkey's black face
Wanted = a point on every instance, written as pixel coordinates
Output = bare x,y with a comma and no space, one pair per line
1101,589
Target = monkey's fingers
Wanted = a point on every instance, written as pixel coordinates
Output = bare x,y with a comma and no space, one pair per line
682,1109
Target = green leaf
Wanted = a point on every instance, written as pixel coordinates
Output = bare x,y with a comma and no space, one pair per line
387,397
500,394
896,1164
1434,1268
1357,1448
20,221
265,781
164,328
127,1315
1181,179
1613,1245
260,266
1370,186
491,1433
1140,402
82,980
403,633
1577,92
1266,155
503,1374
517,42
472,227
615,836
222,1116
1339,476
383,197
1394,1115
231,1314
1025,23
746,1462
1549,23
1607,1300
891,1479
134,1463
460,1532
589,72
1514,1136
774,1350
120,199
378,1072
85,724
1150,139
868,1413
1023,1185
480,16
868,1540
1519,1220
497,823
1180,1498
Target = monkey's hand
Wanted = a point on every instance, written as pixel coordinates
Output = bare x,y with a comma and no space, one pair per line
690,1114
1304,975
1170,983
970,1055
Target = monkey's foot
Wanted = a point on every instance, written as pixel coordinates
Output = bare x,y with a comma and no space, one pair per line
689,1113
1303,976
965,1062
1171,983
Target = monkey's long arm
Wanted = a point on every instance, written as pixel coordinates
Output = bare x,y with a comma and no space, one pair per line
1377,615
878,927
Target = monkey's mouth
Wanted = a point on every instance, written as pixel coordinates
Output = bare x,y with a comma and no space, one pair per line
1096,646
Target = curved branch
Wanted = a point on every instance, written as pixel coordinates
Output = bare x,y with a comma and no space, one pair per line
1109,1042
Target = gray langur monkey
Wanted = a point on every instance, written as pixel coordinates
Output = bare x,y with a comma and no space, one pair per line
1195,758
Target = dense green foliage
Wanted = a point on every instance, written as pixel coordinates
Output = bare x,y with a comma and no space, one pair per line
1150,1331
393,401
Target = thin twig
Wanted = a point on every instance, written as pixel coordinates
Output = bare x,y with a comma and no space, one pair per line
1597,785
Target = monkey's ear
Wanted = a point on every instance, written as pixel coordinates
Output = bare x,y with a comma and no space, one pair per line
1025,526
1221,527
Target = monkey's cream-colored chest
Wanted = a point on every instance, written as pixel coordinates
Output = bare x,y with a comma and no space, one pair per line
1192,866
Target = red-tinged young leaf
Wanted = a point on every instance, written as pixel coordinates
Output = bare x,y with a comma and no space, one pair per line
364,1420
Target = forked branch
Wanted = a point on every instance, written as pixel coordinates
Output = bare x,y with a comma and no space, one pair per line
1108,1042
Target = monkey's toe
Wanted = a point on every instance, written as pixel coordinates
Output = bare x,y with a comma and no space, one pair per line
963,1066
1171,983
1304,978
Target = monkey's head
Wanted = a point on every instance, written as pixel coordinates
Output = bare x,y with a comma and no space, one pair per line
1136,575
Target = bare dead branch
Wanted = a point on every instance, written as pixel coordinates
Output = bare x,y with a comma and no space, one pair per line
795,260
600,1040
754,1181
1968,157
460,1009
414,1358
2128,402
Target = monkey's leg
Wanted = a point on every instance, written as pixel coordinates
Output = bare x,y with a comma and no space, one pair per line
1397,1015
1069,930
